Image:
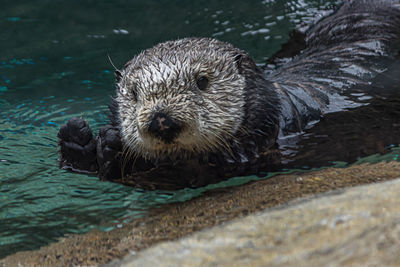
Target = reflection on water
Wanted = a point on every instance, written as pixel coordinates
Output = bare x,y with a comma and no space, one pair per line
54,65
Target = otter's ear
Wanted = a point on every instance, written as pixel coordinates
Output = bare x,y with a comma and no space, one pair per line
244,62
118,75
238,59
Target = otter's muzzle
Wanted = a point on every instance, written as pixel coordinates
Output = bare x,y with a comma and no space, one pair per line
164,127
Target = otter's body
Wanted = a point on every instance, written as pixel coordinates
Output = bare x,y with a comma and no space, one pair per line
342,51
196,110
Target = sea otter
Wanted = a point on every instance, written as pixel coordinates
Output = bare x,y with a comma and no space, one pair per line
197,110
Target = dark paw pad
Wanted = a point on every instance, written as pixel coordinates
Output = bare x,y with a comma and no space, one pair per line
109,148
76,130
78,148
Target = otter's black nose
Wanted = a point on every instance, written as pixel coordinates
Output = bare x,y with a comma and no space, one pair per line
164,127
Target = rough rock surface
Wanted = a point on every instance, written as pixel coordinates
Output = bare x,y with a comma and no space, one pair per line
177,220
357,227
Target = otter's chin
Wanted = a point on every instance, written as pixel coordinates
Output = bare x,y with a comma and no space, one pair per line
179,147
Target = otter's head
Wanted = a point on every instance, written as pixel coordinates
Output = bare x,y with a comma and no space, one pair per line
182,98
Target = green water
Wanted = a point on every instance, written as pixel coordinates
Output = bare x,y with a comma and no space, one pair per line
54,65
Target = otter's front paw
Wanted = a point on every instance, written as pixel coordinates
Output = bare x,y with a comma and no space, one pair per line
77,147
109,148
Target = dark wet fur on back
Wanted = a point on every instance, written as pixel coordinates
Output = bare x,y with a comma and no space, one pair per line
365,34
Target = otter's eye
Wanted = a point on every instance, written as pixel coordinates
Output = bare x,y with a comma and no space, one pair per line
202,83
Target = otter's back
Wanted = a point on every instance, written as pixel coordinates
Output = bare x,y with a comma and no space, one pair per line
343,51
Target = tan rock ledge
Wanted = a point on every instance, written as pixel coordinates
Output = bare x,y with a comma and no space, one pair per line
359,226
182,219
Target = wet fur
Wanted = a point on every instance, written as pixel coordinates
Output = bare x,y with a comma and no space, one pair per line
363,34
234,117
